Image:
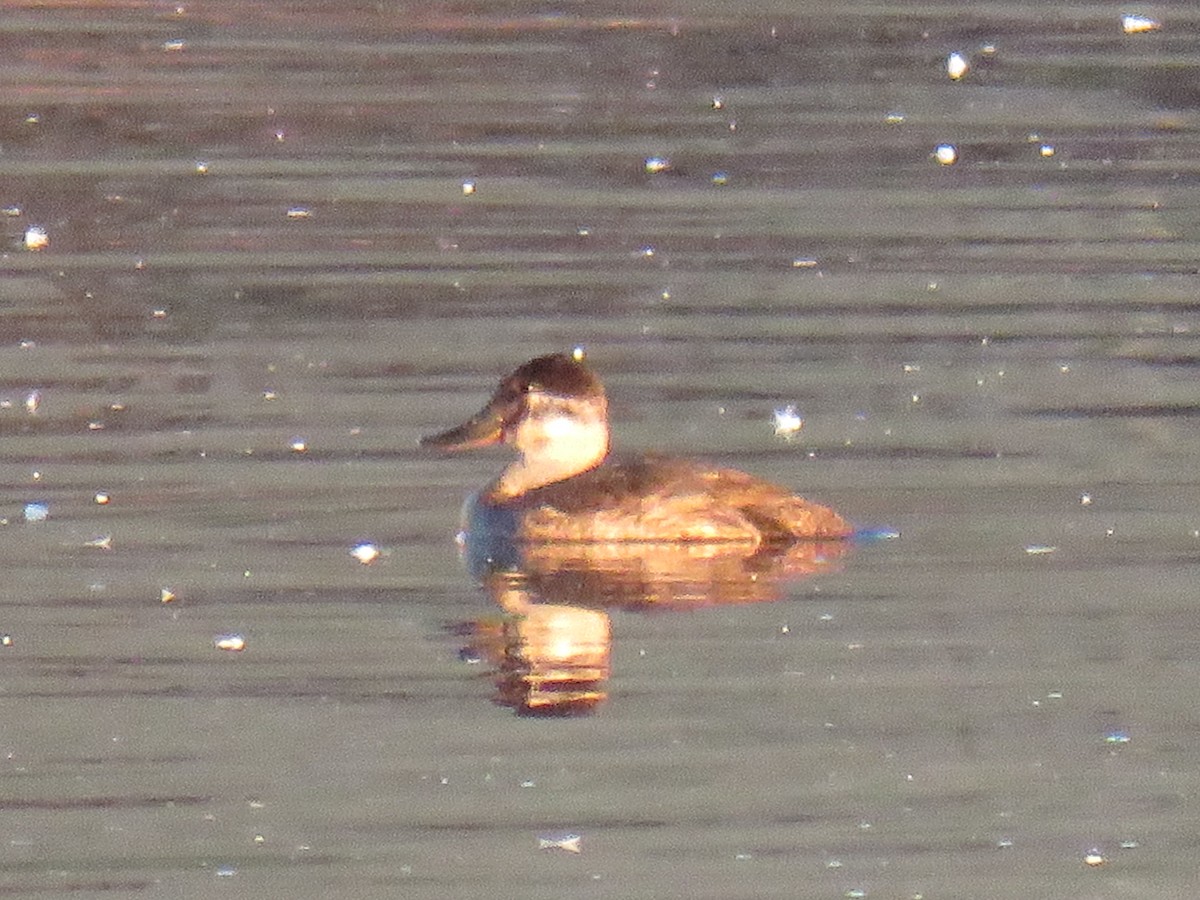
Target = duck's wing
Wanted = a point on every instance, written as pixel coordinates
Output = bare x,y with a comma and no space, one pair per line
665,499
777,513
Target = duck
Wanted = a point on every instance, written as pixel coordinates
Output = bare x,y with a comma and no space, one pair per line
566,486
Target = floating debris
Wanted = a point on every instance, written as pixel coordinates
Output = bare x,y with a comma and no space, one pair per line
1117,737
788,421
653,165
1094,858
572,843
468,188
36,238
299,212
1040,549
366,553
36,511
298,445
6,640
101,498
232,642
945,154
101,542
956,66
33,400
166,595
1135,24
876,534
201,167
174,45
1046,150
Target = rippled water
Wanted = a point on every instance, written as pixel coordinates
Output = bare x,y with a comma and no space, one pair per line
285,240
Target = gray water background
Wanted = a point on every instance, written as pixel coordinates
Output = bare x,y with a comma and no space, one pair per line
259,237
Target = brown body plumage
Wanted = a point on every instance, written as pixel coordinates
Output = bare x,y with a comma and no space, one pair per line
655,498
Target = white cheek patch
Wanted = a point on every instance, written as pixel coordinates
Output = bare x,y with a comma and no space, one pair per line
556,438
560,428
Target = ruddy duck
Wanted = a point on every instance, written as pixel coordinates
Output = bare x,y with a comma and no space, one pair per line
565,487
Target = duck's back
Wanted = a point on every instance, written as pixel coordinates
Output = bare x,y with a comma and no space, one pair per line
666,499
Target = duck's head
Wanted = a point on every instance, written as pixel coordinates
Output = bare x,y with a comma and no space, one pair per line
552,410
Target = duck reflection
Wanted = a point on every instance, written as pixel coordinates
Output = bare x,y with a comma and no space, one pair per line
549,649
545,658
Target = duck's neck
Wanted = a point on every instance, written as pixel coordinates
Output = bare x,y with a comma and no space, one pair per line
560,438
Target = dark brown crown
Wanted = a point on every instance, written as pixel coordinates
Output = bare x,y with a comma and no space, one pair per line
556,373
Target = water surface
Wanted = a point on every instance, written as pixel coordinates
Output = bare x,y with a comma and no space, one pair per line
285,241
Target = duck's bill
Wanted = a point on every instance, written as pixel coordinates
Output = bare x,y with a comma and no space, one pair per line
482,429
